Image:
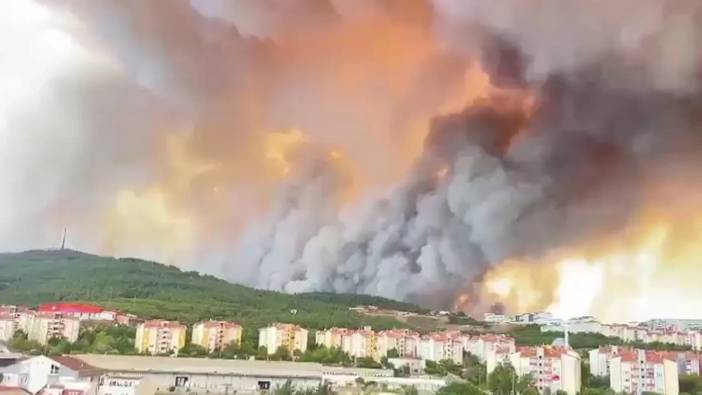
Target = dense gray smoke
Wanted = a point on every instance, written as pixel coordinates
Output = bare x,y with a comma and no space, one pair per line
226,136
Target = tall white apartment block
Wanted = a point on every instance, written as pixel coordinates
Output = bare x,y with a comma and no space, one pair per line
289,336
639,371
553,368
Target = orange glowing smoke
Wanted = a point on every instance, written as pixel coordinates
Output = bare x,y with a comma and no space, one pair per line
634,274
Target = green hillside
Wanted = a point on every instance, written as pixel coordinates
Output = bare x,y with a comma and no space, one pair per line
150,289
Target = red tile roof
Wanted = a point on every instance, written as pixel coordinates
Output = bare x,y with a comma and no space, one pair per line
70,308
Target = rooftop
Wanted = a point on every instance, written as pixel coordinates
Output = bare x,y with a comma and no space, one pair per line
142,364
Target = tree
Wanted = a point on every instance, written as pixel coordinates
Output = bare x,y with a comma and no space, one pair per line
262,353
410,390
524,382
393,353
368,362
192,351
459,389
285,389
502,380
691,384
281,354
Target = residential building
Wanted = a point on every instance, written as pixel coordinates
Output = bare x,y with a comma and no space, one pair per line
160,337
413,366
639,371
8,326
600,357
51,376
289,336
82,311
481,345
553,368
360,343
44,327
216,335
331,338
495,318
440,346
404,341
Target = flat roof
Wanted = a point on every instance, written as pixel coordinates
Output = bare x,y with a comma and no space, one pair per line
170,365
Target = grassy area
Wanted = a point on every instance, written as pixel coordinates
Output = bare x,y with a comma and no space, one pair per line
150,290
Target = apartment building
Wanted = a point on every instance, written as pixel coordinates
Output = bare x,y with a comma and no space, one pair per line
331,338
160,337
404,341
8,326
481,345
216,335
600,357
44,327
639,371
361,343
442,345
82,311
292,337
553,368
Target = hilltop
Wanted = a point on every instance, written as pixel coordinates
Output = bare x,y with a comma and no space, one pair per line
149,289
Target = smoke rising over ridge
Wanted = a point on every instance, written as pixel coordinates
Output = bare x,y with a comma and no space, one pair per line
444,152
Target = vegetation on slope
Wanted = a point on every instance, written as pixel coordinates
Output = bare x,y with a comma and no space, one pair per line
153,290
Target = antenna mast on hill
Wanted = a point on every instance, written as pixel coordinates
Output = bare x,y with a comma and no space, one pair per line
63,241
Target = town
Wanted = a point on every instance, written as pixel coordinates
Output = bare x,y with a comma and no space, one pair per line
163,356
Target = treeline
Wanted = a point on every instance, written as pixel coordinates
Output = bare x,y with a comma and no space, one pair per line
96,340
153,290
531,335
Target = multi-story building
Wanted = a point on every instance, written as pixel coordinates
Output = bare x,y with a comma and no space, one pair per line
289,336
160,337
553,368
82,311
600,357
639,371
440,346
331,338
481,345
361,343
404,341
8,326
216,335
44,327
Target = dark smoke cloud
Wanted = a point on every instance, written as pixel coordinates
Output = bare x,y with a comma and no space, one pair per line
591,104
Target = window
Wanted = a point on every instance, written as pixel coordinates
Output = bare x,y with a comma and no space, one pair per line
54,369
264,385
181,381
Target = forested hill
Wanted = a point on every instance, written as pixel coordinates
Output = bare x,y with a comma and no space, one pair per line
150,289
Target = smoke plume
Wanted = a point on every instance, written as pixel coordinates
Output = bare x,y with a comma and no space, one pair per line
451,153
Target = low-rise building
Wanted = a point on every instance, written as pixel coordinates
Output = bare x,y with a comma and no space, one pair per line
160,337
44,327
639,371
412,366
553,368
51,376
289,336
216,335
